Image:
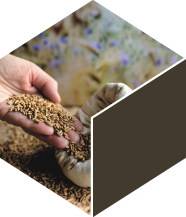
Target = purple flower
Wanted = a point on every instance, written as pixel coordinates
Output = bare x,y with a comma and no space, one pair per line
55,63
107,24
36,47
40,35
93,14
170,49
75,50
45,41
159,61
114,43
154,50
91,57
62,39
97,45
124,58
135,82
88,31
174,60
59,61
52,46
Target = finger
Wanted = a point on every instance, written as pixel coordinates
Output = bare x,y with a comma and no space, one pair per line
54,140
78,125
73,136
19,119
46,84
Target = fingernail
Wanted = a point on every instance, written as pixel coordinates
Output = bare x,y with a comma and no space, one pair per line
65,143
59,97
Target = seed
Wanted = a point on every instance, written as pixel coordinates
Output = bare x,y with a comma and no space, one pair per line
88,197
70,167
49,123
37,120
86,125
59,133
67,129
66,137
70,200
44,117
10,102
11,109
73,163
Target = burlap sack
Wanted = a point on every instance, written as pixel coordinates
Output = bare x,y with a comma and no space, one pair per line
80,174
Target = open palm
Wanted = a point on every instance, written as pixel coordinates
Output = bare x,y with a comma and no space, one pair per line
18,76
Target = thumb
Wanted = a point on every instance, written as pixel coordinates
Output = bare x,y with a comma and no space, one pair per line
46,84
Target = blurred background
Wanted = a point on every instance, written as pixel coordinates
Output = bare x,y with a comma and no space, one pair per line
92,47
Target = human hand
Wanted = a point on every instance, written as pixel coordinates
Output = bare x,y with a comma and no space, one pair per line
18,76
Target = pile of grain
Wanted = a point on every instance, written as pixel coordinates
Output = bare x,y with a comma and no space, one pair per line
40,109
80,150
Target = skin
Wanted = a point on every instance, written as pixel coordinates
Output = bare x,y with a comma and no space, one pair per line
18,76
